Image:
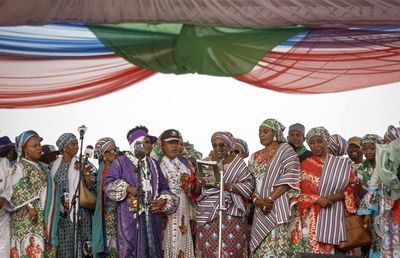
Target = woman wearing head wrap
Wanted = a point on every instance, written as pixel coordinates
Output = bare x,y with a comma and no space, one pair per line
392,133
327,194
32,197
104,219
241,148
238,185
377,204
65,171
276,169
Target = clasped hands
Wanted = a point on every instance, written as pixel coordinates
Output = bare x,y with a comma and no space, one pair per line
265,204
156,206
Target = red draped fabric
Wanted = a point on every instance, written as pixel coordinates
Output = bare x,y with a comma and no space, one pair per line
326,61
40,81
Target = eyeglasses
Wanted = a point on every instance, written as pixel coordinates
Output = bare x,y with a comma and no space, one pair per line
219,145
112,151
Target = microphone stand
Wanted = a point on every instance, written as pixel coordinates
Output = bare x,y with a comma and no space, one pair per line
222,207
75,202
139,187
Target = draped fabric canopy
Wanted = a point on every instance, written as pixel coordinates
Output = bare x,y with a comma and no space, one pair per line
62,63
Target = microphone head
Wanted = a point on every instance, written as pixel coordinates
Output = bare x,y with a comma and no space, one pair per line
138,150
82,130
89,151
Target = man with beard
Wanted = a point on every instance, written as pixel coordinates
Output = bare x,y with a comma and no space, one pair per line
354,151
296,140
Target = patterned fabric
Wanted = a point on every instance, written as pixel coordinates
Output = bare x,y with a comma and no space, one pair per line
226,136
104,220
371,138
338,145
177,233
283,168
64,139
313,179
233,237
385,229
102,145
363,173
236,173
319,131
276,127
243,145
393,133
29,181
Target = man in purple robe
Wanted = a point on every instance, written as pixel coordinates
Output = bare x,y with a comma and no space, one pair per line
143,237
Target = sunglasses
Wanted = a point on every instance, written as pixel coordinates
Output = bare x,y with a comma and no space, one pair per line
112,151
220,145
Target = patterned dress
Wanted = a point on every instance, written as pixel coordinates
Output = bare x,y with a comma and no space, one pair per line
385,230
311,173
177,240
29,186
272,235
66,229
234,222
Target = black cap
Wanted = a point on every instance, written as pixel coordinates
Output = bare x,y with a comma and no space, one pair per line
47,148
171,135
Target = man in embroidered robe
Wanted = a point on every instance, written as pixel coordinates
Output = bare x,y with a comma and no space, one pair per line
141,238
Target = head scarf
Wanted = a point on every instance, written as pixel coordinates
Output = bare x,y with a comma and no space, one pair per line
338,145
23,138
227,137
64,139
102,145
276,127
371,138
243,145
392,133
318,131
138,134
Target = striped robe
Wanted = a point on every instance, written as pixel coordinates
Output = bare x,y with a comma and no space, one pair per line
237,174
284,168
326,225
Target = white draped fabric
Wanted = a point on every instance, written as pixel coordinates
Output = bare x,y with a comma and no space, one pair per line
243,13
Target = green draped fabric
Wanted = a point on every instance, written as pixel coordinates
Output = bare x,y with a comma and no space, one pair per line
179,49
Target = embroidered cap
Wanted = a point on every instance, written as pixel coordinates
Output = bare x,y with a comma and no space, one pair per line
171,135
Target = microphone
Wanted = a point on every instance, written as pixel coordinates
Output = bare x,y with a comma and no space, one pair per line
88,154
82,130
138,150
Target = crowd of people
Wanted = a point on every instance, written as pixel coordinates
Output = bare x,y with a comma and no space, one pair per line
151,201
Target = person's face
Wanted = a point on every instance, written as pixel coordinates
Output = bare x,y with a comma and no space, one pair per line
33,149
180,148
266,135
147,146
110,154
318,146
12,154
72,148
368,150
354,151
170,148
296,138
239,151
220,148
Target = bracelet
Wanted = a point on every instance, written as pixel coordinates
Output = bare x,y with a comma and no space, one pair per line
231,188
254,199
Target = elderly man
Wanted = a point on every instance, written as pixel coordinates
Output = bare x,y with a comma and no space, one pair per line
296,140
7,155
144,195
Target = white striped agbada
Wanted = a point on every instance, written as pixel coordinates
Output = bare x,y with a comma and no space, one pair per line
334,178
283,169
237,174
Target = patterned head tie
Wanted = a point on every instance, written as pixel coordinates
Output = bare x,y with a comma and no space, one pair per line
371,138
338,145
243,145
22,139
227,137
277,127
64,140
318,131
393,133
102,145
